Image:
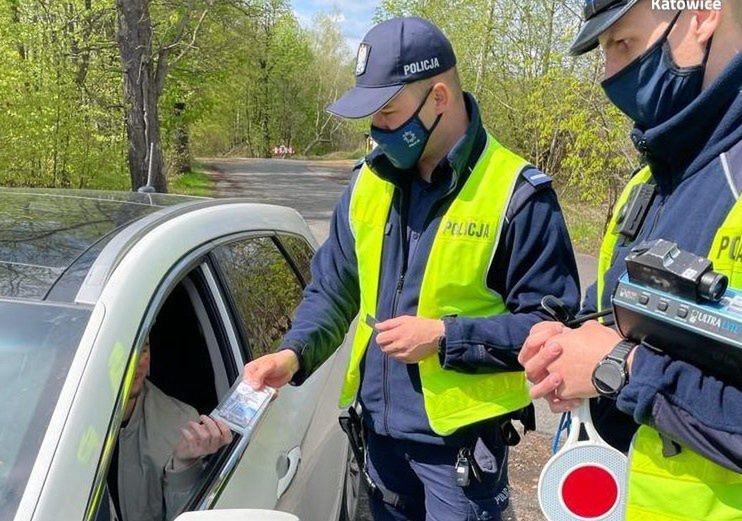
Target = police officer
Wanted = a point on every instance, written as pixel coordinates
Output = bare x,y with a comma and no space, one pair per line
678,76
443,245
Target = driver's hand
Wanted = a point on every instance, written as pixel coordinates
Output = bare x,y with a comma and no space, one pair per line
201,439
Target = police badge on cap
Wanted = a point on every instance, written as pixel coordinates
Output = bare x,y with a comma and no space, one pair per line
362,58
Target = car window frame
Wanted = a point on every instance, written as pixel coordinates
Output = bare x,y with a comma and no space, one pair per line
219,474
290,258
202,259
222,278
196,260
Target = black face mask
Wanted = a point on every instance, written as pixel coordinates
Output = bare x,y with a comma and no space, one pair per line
653,89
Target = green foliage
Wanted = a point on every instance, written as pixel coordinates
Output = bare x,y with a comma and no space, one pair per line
279,80
60,123
244,72
535,98
248,77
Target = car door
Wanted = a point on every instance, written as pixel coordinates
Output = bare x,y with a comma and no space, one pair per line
263,289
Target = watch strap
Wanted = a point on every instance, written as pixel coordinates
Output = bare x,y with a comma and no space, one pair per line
621,351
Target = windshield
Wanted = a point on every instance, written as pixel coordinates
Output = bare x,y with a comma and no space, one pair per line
37,344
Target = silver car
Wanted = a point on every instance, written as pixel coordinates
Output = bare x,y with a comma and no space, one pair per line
85,277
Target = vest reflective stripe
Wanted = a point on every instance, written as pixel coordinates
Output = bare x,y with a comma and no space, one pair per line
686,486
468,231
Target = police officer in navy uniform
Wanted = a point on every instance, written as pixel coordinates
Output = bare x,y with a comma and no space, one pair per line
678,76
443,245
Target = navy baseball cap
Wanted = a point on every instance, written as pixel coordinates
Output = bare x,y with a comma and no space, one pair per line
393,54
599,16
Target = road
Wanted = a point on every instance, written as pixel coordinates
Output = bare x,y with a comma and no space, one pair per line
313,188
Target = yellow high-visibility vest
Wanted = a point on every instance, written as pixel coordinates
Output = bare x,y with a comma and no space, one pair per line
454,283
686,486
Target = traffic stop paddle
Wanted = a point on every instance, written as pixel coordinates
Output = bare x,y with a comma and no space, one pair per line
586,479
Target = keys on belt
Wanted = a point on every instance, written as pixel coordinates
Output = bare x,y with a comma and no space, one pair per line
466,466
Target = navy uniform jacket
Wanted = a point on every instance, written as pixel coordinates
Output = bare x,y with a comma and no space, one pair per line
696,160
534,258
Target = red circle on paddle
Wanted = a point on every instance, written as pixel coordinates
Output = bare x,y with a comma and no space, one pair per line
589,491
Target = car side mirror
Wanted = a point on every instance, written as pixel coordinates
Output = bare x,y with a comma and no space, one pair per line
237,515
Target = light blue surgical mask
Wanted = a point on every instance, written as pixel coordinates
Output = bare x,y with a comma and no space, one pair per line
404,146
653,88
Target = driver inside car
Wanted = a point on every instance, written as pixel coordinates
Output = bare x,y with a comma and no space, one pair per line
159,455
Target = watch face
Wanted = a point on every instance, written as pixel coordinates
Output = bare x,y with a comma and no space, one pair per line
608,377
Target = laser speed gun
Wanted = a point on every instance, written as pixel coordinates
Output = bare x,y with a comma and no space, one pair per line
672,300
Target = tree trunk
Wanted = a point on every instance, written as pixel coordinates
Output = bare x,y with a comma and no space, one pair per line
142,89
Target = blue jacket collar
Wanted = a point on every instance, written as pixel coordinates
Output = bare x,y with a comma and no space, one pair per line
458,163
711,125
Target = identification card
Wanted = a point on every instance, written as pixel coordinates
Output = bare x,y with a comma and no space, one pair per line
243,407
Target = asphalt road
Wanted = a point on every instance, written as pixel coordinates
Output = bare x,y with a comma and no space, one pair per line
313,188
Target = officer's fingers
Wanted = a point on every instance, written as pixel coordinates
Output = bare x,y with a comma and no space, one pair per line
389,324
538,337
387,337
386,347
226,433
545,387
547,327
258,371
394,349
537,364
558,405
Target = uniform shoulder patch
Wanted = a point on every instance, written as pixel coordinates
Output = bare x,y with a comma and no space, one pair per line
536,177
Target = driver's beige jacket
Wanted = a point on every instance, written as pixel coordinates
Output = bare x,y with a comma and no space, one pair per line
150,489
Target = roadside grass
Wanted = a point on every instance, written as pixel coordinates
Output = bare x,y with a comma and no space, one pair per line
194,182
585,222
355,155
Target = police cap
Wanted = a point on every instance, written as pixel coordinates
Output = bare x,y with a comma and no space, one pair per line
599,15
394,53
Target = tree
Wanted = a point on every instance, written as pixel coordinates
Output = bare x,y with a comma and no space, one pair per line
534,97
146,61
332,79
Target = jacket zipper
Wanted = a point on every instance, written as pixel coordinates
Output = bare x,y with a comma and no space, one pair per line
395,302
401,280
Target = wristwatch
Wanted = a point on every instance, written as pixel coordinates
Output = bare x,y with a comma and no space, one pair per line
610,375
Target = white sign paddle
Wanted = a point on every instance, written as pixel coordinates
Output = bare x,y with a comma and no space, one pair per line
585,480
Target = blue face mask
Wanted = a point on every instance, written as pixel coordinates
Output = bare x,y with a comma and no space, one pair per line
653,89
405,145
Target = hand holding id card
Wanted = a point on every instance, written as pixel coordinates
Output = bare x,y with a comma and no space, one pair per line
243,407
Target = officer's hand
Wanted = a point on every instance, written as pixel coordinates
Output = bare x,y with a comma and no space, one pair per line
409,339
200,439
274,370
581,351
535,358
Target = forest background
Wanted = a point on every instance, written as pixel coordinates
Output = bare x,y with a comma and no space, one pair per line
95,92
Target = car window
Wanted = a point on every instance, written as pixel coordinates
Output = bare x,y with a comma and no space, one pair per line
37,346
188,367
264,290
301,254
